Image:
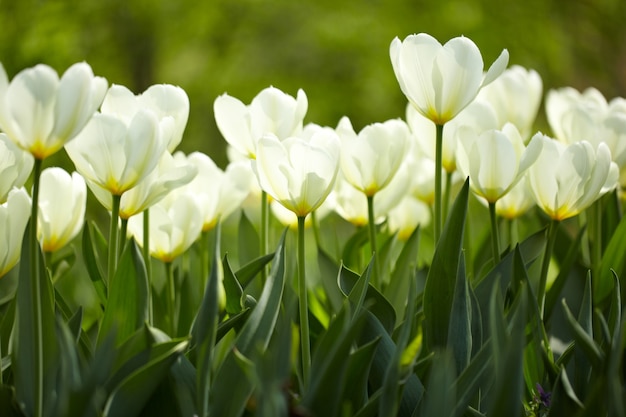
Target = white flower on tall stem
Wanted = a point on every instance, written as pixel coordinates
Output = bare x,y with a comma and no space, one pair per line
62,205
440,81
15,166
14,215
271,111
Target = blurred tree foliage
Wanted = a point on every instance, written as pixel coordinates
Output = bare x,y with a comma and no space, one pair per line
337,51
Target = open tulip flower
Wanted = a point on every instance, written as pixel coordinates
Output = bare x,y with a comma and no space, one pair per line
271,111
169,174
495,160
575,116
169,103
14,215
115,155
298,173
62,204
441,80
40,112
566,179
15,166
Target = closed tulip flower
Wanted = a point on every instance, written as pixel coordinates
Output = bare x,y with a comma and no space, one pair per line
441,80
62,204
15,166
175,223
566,179
370,159
41,113
271,111
116,155
219,192
14,215
169,103
169,174
516,96
495,160
298,173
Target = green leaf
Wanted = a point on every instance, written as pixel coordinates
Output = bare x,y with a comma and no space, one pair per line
359,364
328,277
8,402
441,279
28,348
583,339
613,259
404,270
564,399
94,244
362,294
229,397
440,397
328,366
246,273
460,327
127,306
248,240
476,376
234,292
204,329
130,396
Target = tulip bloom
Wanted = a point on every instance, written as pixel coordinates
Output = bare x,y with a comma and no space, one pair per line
515,96
566,179
175,223
370,159
297,173
15,166
41,113
115,155
14,215
271,111
62,203
495,160
218,192
169,103
441,80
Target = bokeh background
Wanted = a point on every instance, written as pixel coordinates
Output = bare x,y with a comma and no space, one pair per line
337,51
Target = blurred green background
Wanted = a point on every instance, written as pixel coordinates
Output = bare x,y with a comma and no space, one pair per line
337,51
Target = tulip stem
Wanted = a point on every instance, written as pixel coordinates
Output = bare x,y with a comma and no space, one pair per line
264,232
304,309
316,229
170,296
545,265
438,164
123,234
113,236
495,237
36,295
148,262
372,233
594,230
446,195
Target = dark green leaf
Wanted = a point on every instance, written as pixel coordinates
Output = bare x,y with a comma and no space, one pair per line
127,306
247,272
460,328
328,277
94,244
402,274
583,339
234,292
440,283
612,260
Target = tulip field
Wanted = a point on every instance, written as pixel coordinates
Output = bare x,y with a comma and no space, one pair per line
452,261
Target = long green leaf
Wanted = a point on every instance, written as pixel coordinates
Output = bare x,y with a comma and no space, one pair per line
460,327
229,397
440,283
398,288
612,260
127,306
232,288
92,243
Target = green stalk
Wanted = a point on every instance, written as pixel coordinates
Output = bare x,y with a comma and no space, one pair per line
495,236
446,194
316,229
545,265
594,230
513,233
113,236
304,308
148,262
170,297
123,234
264,231
372,232
438,164
36,295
